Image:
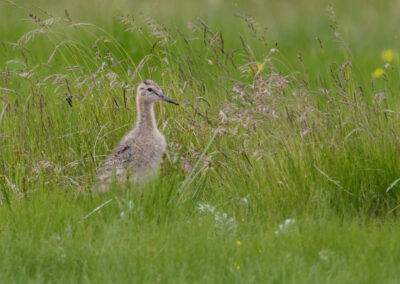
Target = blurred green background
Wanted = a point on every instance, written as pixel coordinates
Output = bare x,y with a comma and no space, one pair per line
296,27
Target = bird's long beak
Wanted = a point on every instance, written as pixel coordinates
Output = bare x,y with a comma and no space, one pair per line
166,99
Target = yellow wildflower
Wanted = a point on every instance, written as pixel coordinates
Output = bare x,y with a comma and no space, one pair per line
387,55
260,66
378,73
238,243
255,67
236,265
259,251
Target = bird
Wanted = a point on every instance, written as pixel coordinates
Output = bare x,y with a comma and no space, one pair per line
138,155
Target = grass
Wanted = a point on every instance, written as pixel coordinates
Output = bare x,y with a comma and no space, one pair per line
282,161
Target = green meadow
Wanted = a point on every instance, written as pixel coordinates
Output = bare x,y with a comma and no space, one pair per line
283,157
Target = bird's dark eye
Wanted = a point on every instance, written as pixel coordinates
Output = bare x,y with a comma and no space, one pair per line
150,89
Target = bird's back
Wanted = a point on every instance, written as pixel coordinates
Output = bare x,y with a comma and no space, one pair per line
136,158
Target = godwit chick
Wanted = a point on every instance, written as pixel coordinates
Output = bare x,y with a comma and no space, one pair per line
138,155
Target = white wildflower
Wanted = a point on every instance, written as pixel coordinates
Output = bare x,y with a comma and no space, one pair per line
243,200
286,227
326,255
129,208
204,207
224,223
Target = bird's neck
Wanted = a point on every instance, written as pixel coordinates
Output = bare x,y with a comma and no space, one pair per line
146,120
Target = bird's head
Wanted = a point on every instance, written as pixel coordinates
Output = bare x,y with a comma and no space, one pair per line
149,91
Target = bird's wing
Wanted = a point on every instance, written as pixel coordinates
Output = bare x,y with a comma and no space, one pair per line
118,161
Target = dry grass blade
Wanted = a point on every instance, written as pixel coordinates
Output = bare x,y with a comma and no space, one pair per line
335,182
3,112
6,179
98,208
392,185
54,51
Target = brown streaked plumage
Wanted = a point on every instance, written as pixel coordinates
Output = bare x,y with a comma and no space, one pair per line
138,155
